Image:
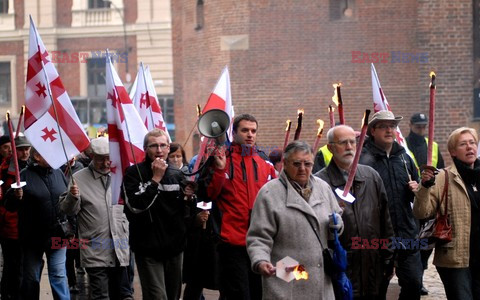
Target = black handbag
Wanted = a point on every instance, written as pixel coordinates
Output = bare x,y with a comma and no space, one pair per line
67,230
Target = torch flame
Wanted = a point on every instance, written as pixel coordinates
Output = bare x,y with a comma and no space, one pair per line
289,125
331,108
432,74
320,126
300,273
335,94
7,115
300,111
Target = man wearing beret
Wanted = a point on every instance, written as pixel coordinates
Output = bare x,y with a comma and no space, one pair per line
102,226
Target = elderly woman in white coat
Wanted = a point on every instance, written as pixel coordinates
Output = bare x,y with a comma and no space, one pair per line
280,227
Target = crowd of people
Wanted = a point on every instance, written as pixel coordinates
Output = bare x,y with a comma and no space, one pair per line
263,208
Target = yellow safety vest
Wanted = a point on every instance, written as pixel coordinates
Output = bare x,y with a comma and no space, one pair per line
434,156
327,155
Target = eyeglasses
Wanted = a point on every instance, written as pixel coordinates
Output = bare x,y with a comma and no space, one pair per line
385,126
344,143
298,164
470,143
161,146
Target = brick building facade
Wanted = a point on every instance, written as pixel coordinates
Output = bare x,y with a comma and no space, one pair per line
136,30
285,55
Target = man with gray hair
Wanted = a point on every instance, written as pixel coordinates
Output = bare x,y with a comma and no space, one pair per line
291,217
367,218
102,226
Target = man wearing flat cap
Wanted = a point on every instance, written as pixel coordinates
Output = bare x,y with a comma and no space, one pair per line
102,226
400,177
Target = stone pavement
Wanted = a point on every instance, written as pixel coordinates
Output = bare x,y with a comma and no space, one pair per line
431,281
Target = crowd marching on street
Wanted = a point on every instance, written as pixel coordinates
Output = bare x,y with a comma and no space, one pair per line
301,221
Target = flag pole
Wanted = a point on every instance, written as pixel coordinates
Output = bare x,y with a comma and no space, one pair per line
147,95
126,123
22,111
51,98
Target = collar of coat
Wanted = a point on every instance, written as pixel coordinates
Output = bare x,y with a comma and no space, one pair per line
336,177
397,149
295,200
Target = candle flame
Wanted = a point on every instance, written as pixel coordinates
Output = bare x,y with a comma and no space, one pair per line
300,273
320,126
335,94
289,125
300,111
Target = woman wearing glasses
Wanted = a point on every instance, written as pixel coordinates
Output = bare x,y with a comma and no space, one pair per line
291,217
457,262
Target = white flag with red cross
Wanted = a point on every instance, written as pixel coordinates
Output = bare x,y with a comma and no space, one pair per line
126,130
146,102
380,103
54,130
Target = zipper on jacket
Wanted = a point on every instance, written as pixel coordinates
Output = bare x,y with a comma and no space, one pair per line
255,169
244,170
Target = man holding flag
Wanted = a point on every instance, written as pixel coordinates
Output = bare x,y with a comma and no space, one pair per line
400,177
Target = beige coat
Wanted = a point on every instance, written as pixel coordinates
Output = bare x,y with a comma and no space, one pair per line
279,228
455,254
104,225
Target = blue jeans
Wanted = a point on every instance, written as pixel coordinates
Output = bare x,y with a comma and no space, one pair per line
460,284
32,271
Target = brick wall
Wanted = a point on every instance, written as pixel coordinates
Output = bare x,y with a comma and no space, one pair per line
9,48
64,13
70,72
296,51
18,6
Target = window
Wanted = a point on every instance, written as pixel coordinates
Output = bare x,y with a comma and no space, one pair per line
341,9
166,102
3,6
96,77
92,4
5,83
199,15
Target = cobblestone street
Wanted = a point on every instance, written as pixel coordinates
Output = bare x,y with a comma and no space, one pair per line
431,281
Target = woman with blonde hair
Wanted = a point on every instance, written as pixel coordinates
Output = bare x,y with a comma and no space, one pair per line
457,262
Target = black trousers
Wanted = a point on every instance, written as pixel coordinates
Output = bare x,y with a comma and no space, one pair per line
12,269
237,280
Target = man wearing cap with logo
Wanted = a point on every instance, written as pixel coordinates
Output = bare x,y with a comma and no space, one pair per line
417,142
10,285
102,226
400,177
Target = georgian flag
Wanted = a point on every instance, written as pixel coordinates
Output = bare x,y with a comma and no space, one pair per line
146,102
126,130
54,130
380,103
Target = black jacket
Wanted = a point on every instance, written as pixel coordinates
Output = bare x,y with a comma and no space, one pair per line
366,218
418,146
160,231
38,210
393,171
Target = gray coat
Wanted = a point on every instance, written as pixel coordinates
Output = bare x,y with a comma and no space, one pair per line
102,224
279,228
